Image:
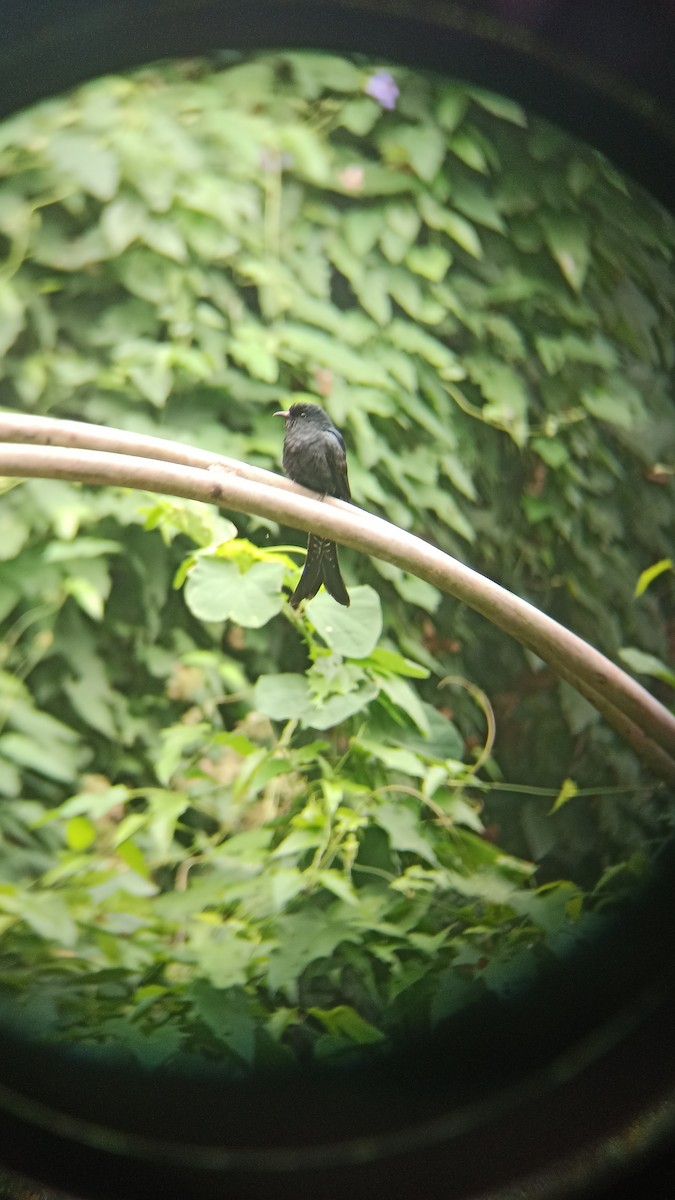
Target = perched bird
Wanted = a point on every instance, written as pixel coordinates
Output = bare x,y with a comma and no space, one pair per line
315,457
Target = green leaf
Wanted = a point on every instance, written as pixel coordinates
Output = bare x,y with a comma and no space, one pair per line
336,883
150,276
403,219
456,226
420,146
344,1022
151,1047
553,452
484,883
641,663
568,791
14,533
551,907
567,238
459,476
154,380
228,1015
462,232
650,574
452,105
444,740
383,659
10,779
338,707
403,696
474,201
431,261
505,391
283,697
309,153
219,591
83,158
403,830
298,841
298,340
54,760
80,833
413,340
315,72
352,632
47,914
536,509
165,239
122,222
204,526
376,180
82,547
616,402
510,976
500,106
394,758
352,327
557,353
303,939
469,150
360,115
90,592
93,699
11,317
416,591
132,855
165,810
221,955
54,250
406,291
373,294
93,804
362,228
394,245
459,811
285,884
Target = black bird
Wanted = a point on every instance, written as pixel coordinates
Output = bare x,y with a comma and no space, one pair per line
315,457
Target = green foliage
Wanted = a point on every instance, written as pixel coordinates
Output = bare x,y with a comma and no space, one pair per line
253,834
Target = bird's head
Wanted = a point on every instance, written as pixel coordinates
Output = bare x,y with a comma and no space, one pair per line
305,414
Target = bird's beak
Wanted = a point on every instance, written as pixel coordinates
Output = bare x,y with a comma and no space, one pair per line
280,414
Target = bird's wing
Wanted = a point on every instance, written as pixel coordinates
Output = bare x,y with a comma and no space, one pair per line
336,457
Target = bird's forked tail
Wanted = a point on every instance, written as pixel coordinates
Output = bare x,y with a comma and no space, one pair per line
321,566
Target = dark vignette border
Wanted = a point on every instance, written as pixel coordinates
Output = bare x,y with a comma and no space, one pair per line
526,1094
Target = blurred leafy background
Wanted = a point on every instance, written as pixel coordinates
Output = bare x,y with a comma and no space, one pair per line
229,831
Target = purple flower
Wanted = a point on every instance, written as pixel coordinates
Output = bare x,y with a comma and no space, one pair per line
383,87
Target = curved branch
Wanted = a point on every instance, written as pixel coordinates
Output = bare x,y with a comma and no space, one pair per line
53,431
630,708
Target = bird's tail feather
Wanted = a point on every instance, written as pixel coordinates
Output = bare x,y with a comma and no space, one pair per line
321,566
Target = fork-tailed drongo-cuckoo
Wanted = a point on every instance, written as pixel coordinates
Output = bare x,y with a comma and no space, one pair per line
314,456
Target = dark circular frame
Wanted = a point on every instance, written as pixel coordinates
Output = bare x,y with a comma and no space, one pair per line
557,1089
